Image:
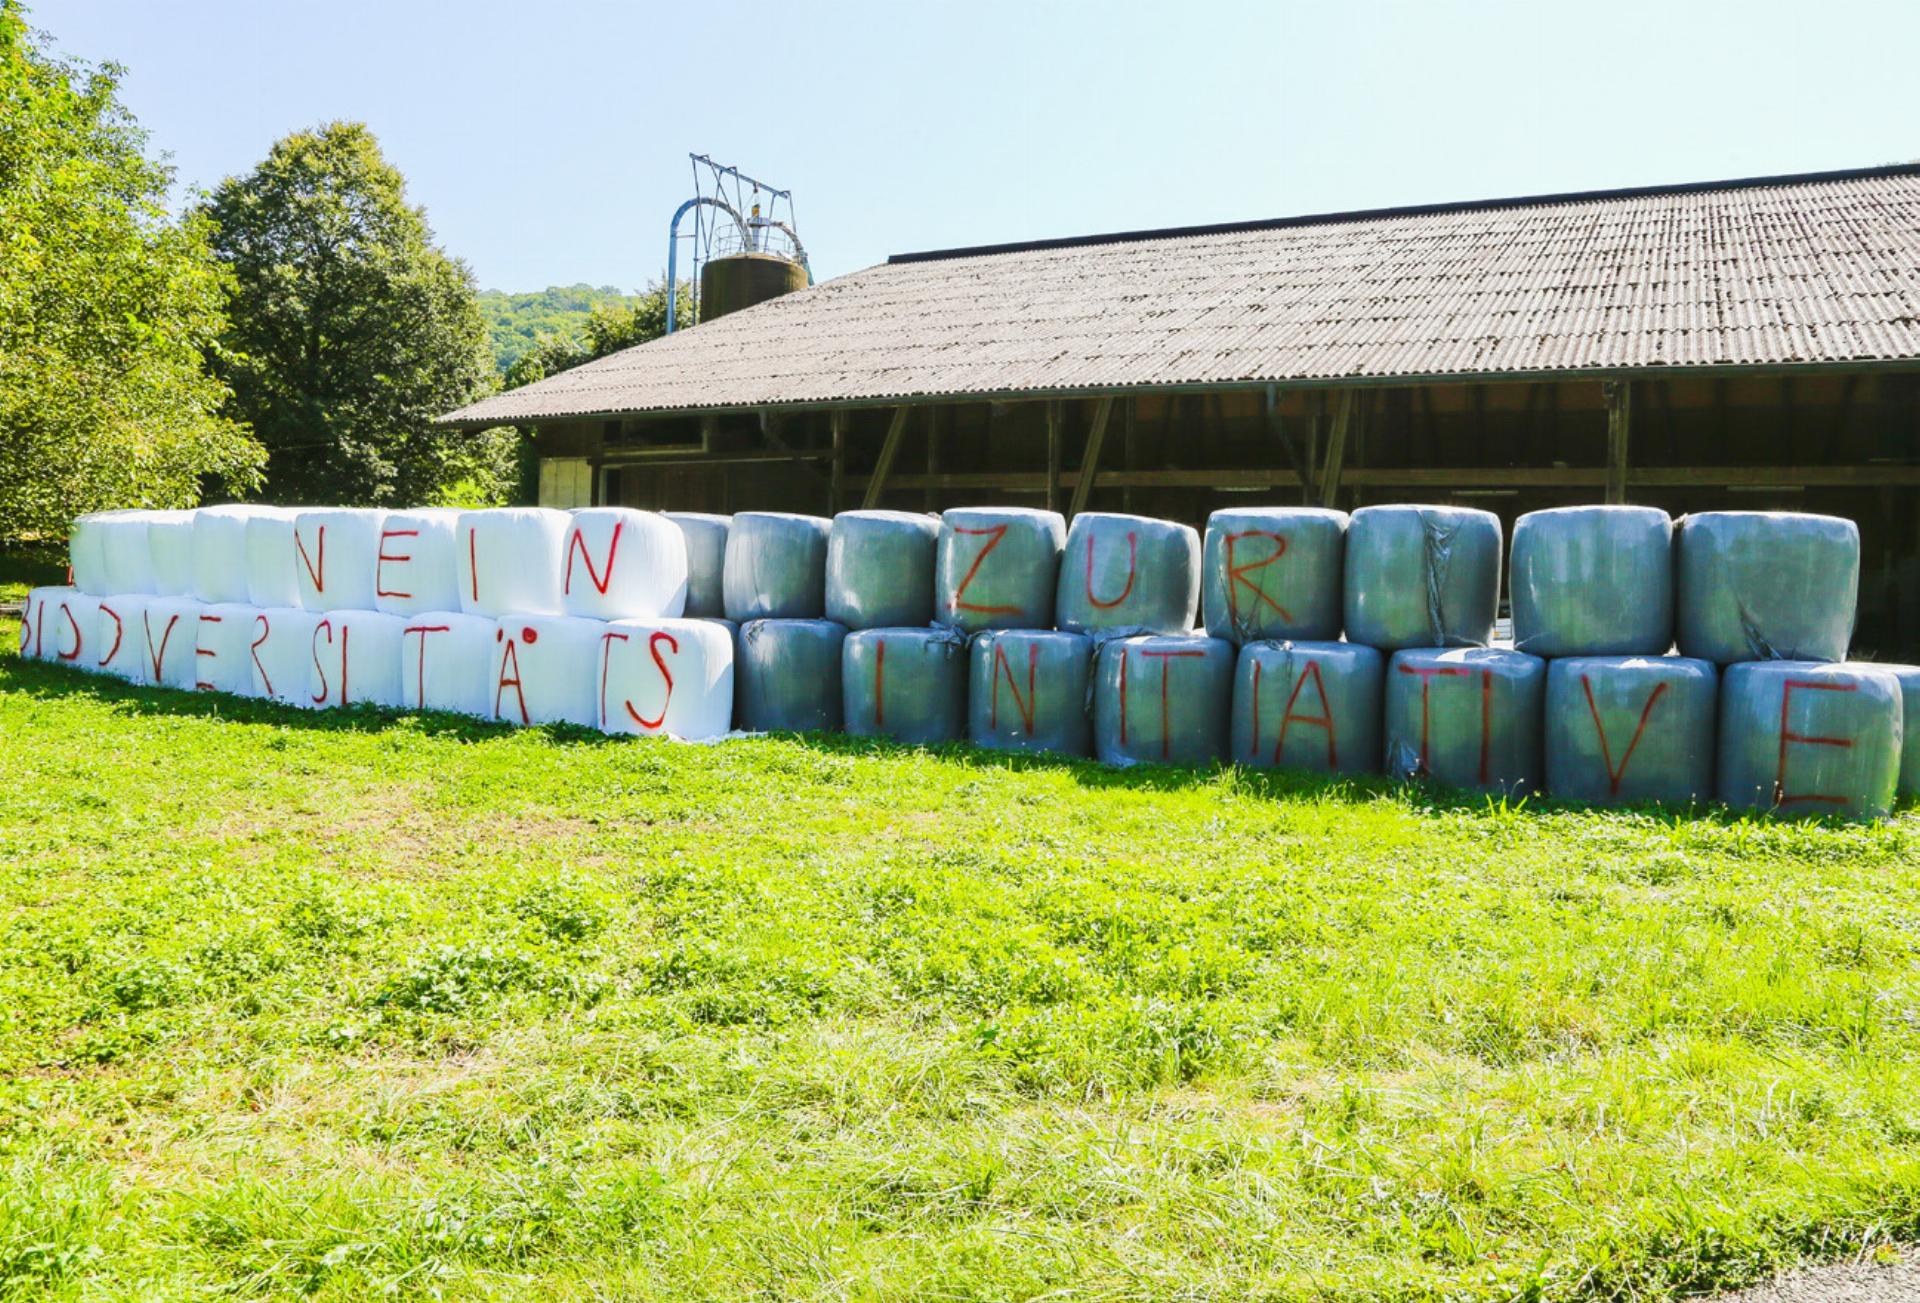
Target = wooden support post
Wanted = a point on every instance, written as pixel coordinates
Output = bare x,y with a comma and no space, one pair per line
770,431
1054,415
1329,481
888,451
1619,395
1090,463
1130,447
935,421
837,482
1276,426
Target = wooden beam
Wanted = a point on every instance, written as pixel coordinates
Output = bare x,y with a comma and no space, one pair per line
837,481
1277,427
769,431
877,484
1329,480
1053,456
1090,462
637,458
1130,446
1444,477
1619,396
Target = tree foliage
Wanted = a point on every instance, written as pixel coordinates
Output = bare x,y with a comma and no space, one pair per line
350,329
107,307
608,328
516,321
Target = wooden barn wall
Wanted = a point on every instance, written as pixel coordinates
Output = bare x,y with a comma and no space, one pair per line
1422,444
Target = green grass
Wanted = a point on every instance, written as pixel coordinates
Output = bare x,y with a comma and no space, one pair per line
353,1007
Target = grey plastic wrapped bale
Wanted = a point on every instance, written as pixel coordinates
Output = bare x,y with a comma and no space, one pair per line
1801,738
1422,576
1465,717
1128,572
1593,581
906,684
1909,677
1307,705
997,568
880,569
1162,699
1028,691
1765,586
776,567
787,676
706,537
1273,572
1626,729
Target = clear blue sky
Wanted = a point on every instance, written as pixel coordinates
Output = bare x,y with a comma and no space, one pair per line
548,141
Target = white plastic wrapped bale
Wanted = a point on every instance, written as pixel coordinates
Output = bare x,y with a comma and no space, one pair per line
1273,572
170,546
126,552
1028,691
87,553
1909,677
222,649
414,570
1593,581
907,684
666,677
446,662
273,564
33,622
776,567
787,676
997,568
1422,576
222,572
1766,586
1804,738
880,569
624,564
356,659
72,620
1162,699
1307,705
546,670
170,639
1626,729
706,539
281,654
1128,572
336,550
1465,717
119,637
509,559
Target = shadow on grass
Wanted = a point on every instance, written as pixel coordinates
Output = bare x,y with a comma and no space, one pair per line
44,681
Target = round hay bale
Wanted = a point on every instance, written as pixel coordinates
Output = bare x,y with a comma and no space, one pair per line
417,569
170,545
1128,573
280,654
880,569
1273,572
546,670
1766,586
1801,738
1162,699
1593,581
336,552
706,538
1307,705
997,568
787,676
1465,717
1028,691
907,684
355,659
508,561
776,567
666,678
1625,729
1419,576
445,660
117,635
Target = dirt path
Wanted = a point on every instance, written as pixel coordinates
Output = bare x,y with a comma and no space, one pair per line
1846,1282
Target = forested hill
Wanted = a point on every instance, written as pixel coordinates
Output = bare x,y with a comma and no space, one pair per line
514,321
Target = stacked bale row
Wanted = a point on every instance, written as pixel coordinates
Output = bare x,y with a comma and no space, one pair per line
531,616
1325,642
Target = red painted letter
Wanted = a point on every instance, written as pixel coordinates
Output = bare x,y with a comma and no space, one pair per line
1024,705
1323,720
420,663
1606,752
318,574
1133,563
1780,794
594,577
993,533
380,562
1427,676
1237,574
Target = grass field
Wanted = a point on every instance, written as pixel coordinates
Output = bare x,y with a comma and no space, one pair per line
352,1007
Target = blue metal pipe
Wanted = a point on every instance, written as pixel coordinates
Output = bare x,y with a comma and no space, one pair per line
673,246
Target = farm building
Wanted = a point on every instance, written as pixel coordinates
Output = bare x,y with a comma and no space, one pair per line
1724,345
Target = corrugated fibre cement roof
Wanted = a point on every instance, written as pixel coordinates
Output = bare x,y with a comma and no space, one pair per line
1784,271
